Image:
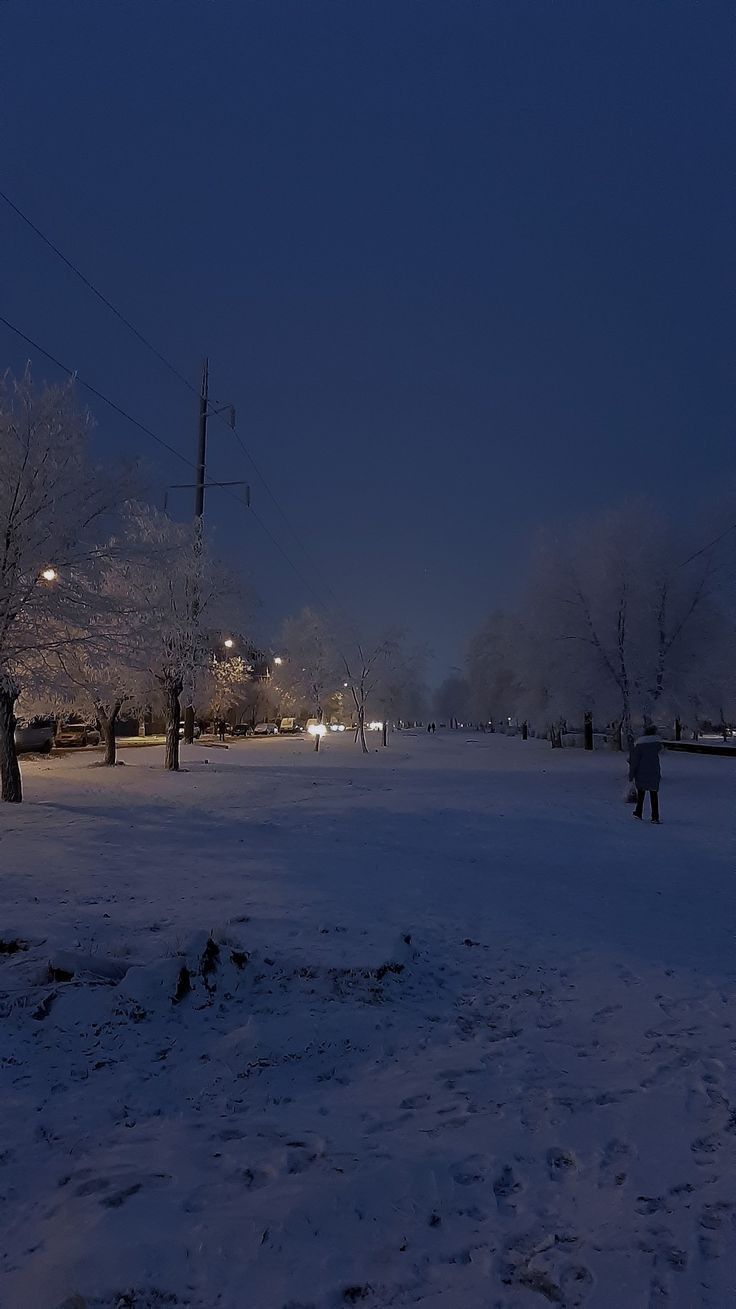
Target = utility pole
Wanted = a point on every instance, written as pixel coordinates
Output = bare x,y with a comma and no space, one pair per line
199,490
201,445
198,517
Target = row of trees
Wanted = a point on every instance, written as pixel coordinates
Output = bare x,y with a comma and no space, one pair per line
105,604
621,620
313,677
107,607
329,674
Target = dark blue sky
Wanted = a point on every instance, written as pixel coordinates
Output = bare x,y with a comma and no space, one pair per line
462,266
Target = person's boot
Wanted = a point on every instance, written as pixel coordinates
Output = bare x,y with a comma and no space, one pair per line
636,815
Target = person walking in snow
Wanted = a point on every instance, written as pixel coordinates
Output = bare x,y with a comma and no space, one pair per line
645,772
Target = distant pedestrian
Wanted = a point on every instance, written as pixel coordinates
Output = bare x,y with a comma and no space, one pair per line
221,729
429,728
645,772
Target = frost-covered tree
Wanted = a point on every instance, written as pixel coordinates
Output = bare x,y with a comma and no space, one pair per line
185,594
496,665
312,671
622,625
363,671
401,687
621,619
261,701
106,673
226,684
54,506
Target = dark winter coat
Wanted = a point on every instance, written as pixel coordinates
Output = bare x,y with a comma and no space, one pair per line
644,770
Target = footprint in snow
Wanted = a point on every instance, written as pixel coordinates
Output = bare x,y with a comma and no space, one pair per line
118,1198
92,1186
505,1188
468,1173
614,1162
414,1101
704,1147
561,1164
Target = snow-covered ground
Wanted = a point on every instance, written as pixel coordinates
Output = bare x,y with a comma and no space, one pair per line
459,1032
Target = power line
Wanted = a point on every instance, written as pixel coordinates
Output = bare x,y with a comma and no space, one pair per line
705,548
159,440
93,391
91,287
162,359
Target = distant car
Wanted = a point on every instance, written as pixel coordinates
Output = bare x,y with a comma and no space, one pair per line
315,727
34,737
337,727
242,729
74,734
266,729
289,726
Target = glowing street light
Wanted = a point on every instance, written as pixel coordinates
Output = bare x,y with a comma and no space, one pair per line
229,643
50,575
278,660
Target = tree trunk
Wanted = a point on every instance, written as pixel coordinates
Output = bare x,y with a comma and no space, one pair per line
678,730
588,730
189,724
11,788
361,729
525,731
173,720
106,723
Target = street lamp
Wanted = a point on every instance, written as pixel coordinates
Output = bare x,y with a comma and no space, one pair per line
50,575
229,643
278,661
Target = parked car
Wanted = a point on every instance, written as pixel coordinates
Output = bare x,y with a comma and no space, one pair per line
266,729
289,726
242,729
73,734
36,736
315,727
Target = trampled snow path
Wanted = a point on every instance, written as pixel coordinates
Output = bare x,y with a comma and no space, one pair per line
464,1036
